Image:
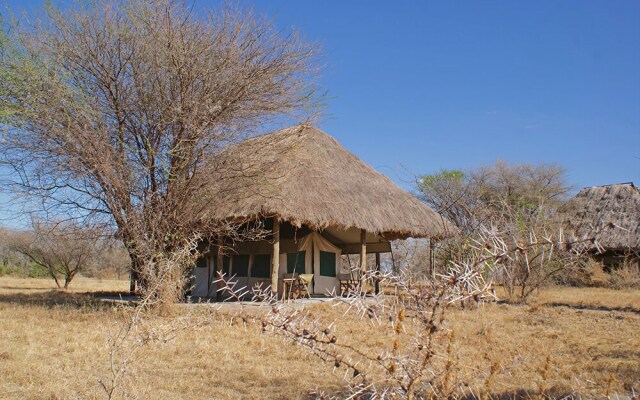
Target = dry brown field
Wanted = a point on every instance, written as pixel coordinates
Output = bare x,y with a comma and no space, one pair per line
53,345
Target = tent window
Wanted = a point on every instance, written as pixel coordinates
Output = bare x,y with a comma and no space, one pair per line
295,262
261,267
241,265
201,263
327,263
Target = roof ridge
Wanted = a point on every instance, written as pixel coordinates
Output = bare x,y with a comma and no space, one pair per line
612,184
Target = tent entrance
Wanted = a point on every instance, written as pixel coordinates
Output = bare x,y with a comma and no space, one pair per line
321,260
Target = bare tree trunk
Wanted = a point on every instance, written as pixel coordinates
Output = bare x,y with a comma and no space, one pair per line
55,278
67,280
132,282
133,278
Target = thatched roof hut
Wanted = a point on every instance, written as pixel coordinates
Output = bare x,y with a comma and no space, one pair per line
609,214
305,177
319,200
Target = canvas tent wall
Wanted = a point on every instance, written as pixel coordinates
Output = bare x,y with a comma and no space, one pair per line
322,259
250,265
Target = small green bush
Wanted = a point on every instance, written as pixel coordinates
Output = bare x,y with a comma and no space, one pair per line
5,270
38,271
11,270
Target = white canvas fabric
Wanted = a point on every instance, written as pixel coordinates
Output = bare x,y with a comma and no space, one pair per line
312,245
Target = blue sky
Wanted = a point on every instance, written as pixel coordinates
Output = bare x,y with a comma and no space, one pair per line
419,86
416,86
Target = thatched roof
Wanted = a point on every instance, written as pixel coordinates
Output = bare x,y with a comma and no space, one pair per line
304,176
609,214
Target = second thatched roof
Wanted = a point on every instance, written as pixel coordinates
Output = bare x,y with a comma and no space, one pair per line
304,176
609,214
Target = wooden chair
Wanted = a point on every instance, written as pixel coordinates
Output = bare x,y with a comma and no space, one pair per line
297,286
287,286
348,284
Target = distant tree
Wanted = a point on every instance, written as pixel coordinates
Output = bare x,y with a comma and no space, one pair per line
500,192
454,195
516,194
64,250
112,261
11,262
117,110
516,202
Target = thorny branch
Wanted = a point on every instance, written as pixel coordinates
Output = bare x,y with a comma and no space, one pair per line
410,313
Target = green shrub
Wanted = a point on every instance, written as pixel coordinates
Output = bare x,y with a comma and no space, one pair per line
11,270
38,271
5,270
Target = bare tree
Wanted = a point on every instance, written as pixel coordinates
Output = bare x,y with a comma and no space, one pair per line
11,262
412,255
112,262
520,202
64,250
453,194
500,192
116,111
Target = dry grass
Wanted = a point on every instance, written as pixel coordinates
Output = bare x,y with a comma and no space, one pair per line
54,346
592,352
591,298
78,285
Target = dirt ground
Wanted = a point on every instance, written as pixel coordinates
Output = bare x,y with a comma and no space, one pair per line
54,345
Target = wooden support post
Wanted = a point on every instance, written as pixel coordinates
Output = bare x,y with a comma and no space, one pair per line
377,281
219,265
275,256
363,251
363,259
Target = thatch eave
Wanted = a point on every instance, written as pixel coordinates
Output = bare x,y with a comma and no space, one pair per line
389,235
